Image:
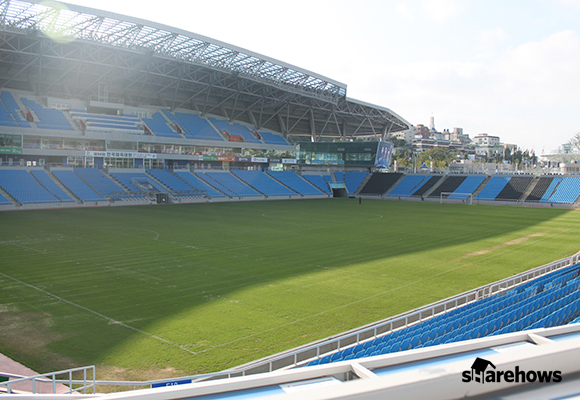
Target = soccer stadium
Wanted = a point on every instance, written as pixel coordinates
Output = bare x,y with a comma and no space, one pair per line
185,219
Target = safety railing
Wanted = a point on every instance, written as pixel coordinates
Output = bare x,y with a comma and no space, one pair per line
84,385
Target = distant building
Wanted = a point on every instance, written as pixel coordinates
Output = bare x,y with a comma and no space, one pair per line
483,139
423,131
487,145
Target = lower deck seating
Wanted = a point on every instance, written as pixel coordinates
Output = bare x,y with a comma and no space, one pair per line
550,190
540,189
22,186
294,182
449,185
425,187
567,191
51,185
170,180
199,184
4,200
352,180
408,185
549,300
467,187
144,183
515,188
232,185
77,186
495,185
320,181
99,182
379,183
263,183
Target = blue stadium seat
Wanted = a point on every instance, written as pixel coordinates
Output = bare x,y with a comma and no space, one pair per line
263,183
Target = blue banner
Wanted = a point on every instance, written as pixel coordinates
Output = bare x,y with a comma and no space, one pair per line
383,158
172,383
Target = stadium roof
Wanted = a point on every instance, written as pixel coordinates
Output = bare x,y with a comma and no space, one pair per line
78,52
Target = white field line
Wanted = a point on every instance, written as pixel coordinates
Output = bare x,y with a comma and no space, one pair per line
110,320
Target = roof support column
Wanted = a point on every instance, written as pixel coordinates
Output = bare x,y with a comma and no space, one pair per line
312,126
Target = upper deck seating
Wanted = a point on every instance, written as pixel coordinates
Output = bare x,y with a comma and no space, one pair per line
271,138
198,127
294,182
96,121
48,118
6,117
263,183
174,120
159,125
12,108
235,129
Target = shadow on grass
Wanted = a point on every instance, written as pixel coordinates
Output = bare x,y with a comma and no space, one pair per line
146,288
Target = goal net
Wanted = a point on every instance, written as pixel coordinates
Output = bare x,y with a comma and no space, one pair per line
455,197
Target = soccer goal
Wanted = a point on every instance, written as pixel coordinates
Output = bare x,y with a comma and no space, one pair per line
464,197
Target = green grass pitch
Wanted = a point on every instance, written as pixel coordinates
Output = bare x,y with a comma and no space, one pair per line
155,291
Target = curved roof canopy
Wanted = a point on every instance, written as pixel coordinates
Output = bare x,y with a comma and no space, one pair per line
50,47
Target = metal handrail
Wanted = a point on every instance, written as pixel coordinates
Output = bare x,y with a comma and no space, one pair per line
42,378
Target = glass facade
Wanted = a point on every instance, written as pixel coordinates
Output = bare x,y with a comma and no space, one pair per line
337,153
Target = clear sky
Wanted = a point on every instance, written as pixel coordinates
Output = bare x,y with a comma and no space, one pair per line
509,68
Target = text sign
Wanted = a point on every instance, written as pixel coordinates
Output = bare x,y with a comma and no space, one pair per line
171,383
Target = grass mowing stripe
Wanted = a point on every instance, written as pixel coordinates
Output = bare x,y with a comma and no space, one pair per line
111,320
231,285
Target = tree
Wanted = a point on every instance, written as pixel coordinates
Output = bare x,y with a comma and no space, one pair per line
403,156
575,142
441,158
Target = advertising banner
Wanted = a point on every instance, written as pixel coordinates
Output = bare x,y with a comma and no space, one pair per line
259,159
384,151
289,161
120,154
10,150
